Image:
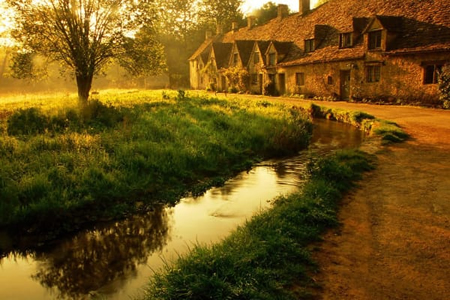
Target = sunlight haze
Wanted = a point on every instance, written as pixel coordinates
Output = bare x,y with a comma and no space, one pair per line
250,5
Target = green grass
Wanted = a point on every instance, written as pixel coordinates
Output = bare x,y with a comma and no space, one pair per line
63,166
268,256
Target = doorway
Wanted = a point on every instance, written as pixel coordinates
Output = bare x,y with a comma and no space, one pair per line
345,85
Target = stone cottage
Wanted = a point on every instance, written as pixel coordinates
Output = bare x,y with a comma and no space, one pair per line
343,49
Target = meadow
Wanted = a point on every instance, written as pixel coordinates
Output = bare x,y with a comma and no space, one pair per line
64,166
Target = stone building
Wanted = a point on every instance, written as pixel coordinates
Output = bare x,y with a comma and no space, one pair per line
343,49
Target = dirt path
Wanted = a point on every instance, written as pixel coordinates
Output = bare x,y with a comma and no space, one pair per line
394,242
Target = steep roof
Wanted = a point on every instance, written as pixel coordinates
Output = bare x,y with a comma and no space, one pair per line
222,53
430,18
245,48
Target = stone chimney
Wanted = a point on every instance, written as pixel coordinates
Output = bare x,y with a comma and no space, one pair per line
234,26
251,21
283,11
219,29
304,6
208,34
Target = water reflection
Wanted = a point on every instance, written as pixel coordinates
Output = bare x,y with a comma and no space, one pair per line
97,258
115,260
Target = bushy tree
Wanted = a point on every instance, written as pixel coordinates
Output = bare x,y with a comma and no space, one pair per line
222,12
265,13
444,85
83,34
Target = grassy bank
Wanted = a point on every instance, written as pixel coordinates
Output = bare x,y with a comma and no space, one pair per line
268,256
63,166
389,131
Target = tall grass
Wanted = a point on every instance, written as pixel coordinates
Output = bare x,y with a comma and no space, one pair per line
66,166
268,256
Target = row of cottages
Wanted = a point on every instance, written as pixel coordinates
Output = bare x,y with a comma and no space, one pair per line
345,49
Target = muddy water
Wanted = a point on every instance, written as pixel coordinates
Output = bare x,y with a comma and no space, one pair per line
113,261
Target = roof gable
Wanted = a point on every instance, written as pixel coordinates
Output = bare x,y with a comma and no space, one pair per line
244,48
411,24
221,53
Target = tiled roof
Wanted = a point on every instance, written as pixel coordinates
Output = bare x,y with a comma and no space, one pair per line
205,47
245,48
421,24
222,53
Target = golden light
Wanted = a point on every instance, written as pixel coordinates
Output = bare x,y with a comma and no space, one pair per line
250,5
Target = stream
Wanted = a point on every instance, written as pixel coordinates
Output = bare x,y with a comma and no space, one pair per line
115,260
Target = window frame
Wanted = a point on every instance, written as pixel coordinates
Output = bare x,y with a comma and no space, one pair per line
272,59
373,73
309,45
299,78
346,40
436,68
375,40
256,58
235,59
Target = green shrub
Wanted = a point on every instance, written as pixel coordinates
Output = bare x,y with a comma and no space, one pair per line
98,114
444,86
27,121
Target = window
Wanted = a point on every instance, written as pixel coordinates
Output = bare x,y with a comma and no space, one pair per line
272,59
254,79
375,40
309,45
299,79
256,58
431,73
330,80
373,73
346,40
235,59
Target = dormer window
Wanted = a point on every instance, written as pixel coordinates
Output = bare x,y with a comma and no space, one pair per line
256,58
375,40
309,45
272,59
346,40
235,59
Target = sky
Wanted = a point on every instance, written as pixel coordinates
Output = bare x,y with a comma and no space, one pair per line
250,5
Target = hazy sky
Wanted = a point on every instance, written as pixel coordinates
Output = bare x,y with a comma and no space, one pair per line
249,5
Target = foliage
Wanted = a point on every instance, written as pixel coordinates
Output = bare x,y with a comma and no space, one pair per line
143,55
265,13
237,77
64,166
222,12
269,254
444,86
84,35
27,121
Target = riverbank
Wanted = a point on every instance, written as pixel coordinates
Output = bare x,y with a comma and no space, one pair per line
63,167
265,257
394,235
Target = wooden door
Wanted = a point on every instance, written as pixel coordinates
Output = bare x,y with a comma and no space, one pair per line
345,85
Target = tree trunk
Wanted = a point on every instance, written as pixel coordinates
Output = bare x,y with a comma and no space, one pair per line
3,66
84,84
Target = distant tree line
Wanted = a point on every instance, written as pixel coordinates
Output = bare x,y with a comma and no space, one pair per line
147,37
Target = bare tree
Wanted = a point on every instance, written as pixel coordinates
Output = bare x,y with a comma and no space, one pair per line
83,34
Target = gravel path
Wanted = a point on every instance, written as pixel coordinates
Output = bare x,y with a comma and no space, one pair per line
394,241
394,238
